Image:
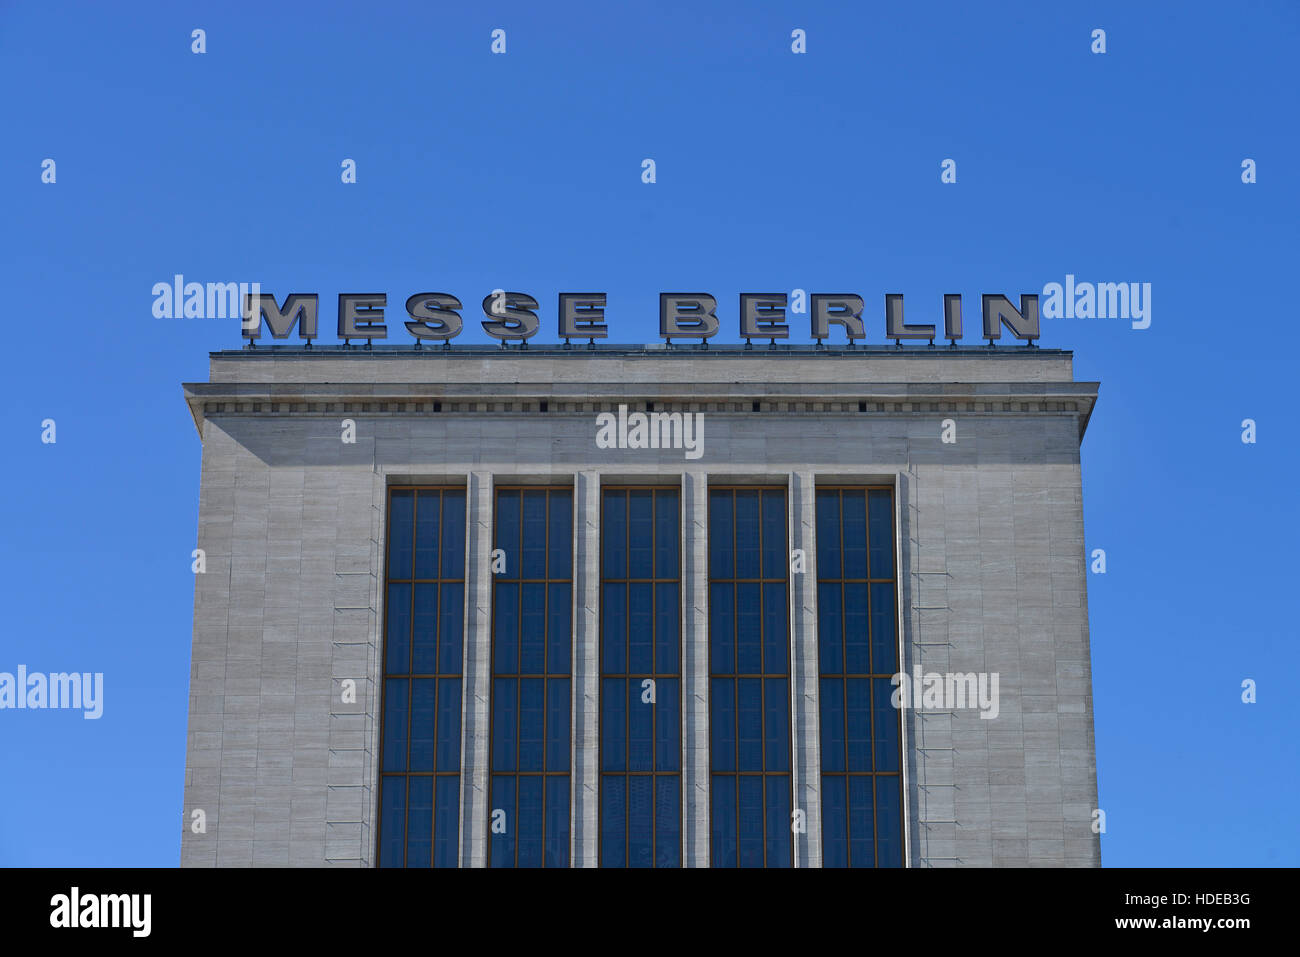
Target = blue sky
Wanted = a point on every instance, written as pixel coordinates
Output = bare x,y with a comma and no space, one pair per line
775,171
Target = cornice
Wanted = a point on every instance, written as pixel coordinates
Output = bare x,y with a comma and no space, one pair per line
585,399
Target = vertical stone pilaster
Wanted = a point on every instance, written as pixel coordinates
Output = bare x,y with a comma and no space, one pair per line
476,697
804,672
911,652
375,671
586,666
695,670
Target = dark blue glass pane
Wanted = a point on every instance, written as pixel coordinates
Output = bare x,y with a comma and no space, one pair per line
561,535
721,541
751,819
640,631
640,820
423,701
856,637
776,632
557,820
505,629
722,843
428,517
401,516
776,706
613,724
451,628
397,644
613,821
775,555
667,628
396,702
884,641
722,724
532,563
832,724
532,628
668,719
830,648
749,629
861,839
747,534
640,736
750,715
667,534
881,508
668,814
507,531
532,813
835,835
779,831
532,724
857,703
392,821
419,823
889,822
453,535
640,534
613,535
855,535
424,638
613,629
828,534
886,725
448,724
559,632
557,724
722,625
505,719
446,821
502,825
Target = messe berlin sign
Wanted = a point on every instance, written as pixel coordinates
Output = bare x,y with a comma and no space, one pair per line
513,316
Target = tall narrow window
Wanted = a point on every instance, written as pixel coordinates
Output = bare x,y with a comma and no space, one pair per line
419,780
532,638
857,643
640,678
749,678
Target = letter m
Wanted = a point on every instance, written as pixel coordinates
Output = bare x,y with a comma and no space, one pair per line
121,910
223,300
1115,303
667,427
281,321
963,690
65,690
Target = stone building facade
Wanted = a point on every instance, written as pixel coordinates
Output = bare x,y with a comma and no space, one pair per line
979,447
